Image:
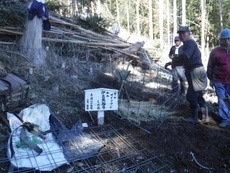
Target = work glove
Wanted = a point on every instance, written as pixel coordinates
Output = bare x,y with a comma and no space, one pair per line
168,64
211,84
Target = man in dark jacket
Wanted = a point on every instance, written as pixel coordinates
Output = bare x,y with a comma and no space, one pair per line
218,72
192,61
177,67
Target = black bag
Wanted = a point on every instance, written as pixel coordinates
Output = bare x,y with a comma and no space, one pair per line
13,91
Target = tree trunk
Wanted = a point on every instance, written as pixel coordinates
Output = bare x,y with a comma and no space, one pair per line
161,23
168,25
138,17
118,13
32,42
221,15
175,17
150,21
98,7
203,14
73,7
127,11
184,12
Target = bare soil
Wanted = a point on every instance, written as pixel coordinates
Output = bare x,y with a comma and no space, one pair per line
188,147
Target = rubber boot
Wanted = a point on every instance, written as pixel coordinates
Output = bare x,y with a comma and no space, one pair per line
193,118
205,116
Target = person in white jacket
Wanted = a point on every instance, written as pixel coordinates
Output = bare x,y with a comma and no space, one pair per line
177,67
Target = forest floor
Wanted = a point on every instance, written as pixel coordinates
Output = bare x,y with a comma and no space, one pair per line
187,147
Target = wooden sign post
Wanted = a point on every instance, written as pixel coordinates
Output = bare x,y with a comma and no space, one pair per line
100,100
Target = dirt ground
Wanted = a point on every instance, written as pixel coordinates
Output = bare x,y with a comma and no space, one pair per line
185,147
188,147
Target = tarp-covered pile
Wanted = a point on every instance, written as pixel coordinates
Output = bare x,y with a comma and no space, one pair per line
59,147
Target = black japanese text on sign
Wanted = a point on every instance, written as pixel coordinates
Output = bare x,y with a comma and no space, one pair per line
101,99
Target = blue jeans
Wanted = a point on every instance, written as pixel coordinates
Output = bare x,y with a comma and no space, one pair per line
221,91
195,98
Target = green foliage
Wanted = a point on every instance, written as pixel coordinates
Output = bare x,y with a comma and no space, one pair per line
95,23
214,19
226,14
213,23
112,7
54,5
58,7
13,13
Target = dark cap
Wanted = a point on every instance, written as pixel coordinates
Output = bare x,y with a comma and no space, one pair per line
183,29
177,38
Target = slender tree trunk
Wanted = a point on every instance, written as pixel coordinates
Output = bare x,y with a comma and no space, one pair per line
69,2
183,12
73,7
60,11
127,11
203,14
221,15
138,17
175,17
207,45
118,13
76,7
168,25
92,8
98,7
150,21
161,29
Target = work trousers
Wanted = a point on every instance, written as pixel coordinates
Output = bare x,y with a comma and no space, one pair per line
195,98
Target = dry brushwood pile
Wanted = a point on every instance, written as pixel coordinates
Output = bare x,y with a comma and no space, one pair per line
77,59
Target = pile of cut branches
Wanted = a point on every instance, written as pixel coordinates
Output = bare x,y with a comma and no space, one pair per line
68,32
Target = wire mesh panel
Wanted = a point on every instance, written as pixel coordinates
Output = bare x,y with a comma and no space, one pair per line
149,93
120,153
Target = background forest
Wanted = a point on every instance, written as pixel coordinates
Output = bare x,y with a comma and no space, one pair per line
157,20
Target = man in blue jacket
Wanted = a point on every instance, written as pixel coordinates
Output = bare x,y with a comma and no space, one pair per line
218,72
192,61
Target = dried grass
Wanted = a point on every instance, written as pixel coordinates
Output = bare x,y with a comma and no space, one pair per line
138,111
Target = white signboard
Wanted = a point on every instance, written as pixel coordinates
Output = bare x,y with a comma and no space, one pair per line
101,99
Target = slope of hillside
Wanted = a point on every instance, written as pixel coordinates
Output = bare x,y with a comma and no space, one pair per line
79,59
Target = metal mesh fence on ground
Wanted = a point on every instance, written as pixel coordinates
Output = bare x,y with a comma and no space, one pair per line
120,153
